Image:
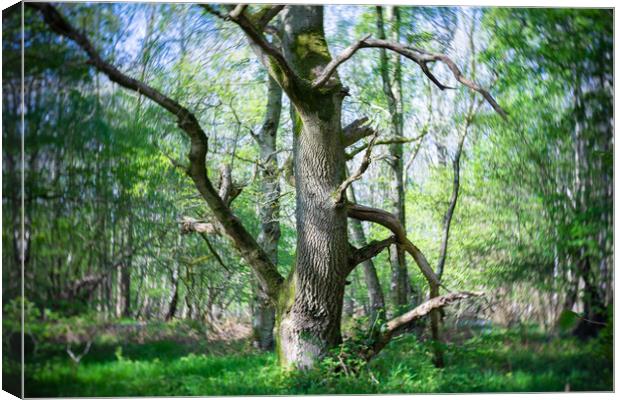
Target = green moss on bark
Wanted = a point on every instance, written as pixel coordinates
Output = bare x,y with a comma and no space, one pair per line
284,303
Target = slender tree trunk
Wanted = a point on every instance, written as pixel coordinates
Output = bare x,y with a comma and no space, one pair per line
126,272
268,209
392,88
174,297
375,293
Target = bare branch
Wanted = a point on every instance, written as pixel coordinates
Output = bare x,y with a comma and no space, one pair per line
212,250
339,196
424,309
189,224
77,358
358,256
391,222
336,61
214,11
387,140
237,11
420,57
356,130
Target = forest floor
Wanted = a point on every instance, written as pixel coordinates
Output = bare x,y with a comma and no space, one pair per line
499,360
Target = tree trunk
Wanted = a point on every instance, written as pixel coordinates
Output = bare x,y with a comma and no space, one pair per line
310,304
174,297
392,88
268,209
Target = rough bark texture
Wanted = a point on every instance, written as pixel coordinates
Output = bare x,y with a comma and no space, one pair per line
311,307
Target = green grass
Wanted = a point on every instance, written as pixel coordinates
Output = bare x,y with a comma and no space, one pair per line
501,361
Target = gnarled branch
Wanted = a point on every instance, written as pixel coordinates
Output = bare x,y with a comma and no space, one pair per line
419,56
424,309
267,273
391,222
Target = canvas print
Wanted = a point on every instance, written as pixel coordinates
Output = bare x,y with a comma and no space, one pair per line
273,199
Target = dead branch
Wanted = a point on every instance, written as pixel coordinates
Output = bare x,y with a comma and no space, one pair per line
77,358
189,225
339,196
424,309
356,130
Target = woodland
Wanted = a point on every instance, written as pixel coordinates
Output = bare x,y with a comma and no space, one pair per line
232,199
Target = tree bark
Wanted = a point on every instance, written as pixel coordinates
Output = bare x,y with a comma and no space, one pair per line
174,297
310,306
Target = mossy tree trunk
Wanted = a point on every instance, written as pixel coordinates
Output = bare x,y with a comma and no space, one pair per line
311,305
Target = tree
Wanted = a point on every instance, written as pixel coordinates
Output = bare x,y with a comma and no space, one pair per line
309,301
268,208
392,89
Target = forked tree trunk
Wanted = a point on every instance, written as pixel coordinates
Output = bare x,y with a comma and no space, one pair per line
310,306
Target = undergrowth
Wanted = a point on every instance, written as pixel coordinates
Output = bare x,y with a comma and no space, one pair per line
498,361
